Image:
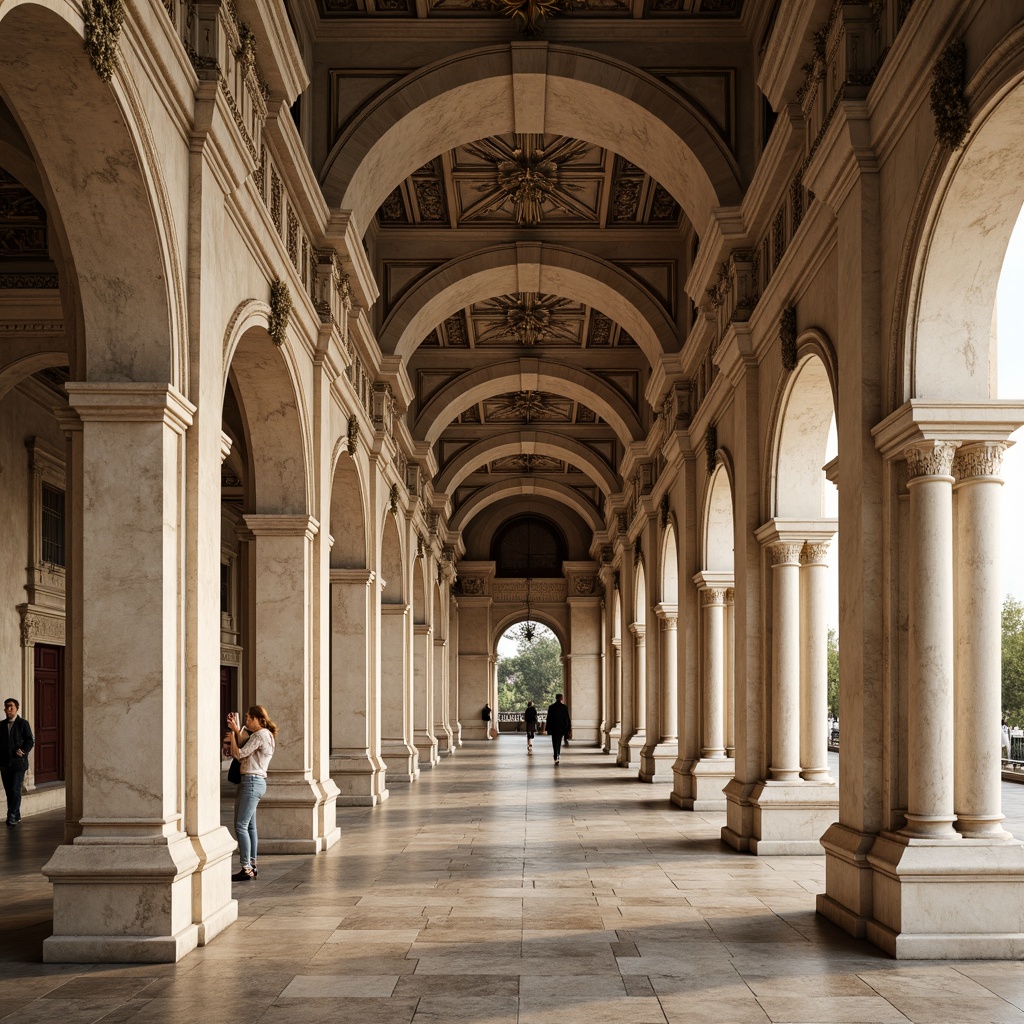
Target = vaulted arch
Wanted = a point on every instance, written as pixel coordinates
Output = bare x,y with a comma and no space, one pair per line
538,88
529,267
527,442
527,375
487,496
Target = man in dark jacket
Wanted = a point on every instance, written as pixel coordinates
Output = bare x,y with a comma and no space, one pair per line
559,725
16,741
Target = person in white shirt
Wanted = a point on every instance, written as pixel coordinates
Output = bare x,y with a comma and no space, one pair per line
254,754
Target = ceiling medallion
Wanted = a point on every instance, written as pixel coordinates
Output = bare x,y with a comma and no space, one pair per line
529,318
528,175
527,403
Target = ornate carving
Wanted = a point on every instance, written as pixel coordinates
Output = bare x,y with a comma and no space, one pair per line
29,281
39,627
293,238
471,586
528,318
245,52
931,458
637,552
103,21
785,553
948,102
419,545
527,15
393,499
814,552
528,177
584,585
280,310
711,447
352,434
787,337
663,511
978,460
714,595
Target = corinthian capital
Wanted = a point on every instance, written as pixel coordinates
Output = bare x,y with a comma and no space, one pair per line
814,553
784,553
931,458
974,460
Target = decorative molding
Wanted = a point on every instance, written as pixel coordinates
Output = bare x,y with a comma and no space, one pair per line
352,434
787,337
280,310
230,655
584,586
103,20
948,102
38,625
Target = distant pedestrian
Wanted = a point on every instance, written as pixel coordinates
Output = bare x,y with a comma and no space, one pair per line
485,714
559,725
1006,737
254,754
530,718
16,741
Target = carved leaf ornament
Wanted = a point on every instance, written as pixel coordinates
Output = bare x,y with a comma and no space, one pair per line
103,21
948,102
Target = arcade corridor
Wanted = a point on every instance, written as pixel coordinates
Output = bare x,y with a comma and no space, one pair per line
504,891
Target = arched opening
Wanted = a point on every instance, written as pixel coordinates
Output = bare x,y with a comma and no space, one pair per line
529,671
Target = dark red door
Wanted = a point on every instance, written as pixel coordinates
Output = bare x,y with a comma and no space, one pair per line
48,726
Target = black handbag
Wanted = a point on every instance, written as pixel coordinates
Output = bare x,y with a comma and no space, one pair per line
235,771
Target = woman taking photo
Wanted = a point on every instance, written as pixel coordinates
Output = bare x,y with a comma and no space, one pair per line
254,754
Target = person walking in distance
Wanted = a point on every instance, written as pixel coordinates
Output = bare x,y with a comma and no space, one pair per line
16,741
530,718
254,755
559,725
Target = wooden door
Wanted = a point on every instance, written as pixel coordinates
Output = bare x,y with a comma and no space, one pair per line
48,726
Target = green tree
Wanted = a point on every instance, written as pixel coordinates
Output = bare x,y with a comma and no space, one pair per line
534,672
1013,661
833,673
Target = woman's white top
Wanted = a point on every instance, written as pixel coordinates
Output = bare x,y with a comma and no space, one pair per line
255,755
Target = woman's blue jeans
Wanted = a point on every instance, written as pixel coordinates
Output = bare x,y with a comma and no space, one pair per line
251,788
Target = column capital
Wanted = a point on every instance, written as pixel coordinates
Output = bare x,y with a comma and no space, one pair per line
276,525
814,552
225,446
957,422
668,613
130,402
796,531
712,596
706,578
639,631
784,552
930,458
979,460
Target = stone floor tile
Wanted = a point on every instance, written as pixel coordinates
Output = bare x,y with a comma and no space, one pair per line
829,1009
341,1011
338,986
956,1010
471,1009
695,1008
494,985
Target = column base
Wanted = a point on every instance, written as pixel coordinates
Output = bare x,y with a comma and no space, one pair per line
657,758
401,761
297,815
710,777
360,778
457,734
846,901
445,740
791,817
682,784
610,744
426,747
946,900
630,746
211,883
739,828
102,882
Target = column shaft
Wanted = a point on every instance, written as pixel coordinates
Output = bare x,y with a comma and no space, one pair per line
930,654
785,748
978,670
669,677
714,673
814,662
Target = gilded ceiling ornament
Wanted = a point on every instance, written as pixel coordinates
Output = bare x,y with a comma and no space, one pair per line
528,15
528,317
527,403
527,176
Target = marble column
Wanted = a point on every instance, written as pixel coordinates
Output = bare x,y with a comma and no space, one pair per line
814,662
442,729
668,615
730,667
356,764
122,890
454,684
977,787
930,654
714,673
424,739
639,633
615,700
297,814
785,745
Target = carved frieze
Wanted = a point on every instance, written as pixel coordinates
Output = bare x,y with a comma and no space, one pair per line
38,625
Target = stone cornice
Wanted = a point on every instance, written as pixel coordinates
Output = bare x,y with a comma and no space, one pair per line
796,531
341,234
920,420
130,402
843,154
353,577
280,525
789,49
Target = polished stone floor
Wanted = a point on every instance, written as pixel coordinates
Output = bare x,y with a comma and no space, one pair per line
502,890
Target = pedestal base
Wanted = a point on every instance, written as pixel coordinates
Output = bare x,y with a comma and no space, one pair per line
211,883
426,746
101,883
445,740
710,776
401,761
657,759
846,901
947,899
682,784
791,817
739,827
629,749
610,745
360,778
297,815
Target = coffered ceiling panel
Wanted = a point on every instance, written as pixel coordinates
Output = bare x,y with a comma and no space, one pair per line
496,9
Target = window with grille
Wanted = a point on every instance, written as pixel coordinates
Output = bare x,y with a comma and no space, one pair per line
53,525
